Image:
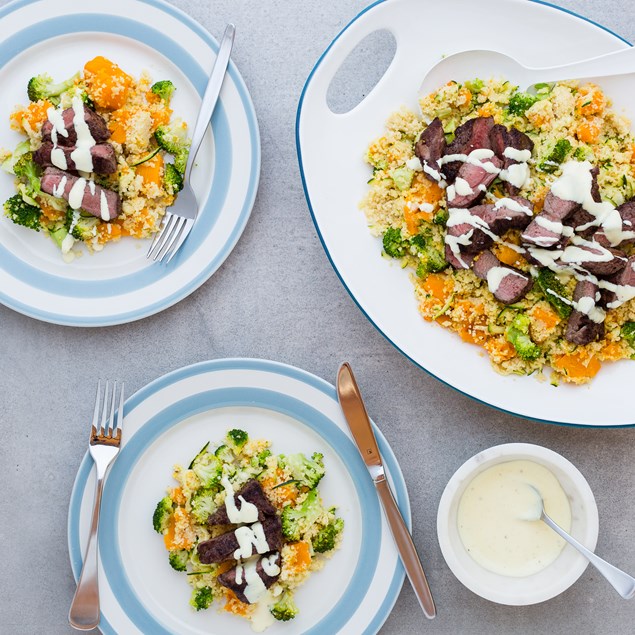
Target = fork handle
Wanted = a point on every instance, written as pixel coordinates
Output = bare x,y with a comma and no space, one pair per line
84,612
210,98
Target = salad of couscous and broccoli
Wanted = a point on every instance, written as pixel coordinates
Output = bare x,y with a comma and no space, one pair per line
93,166
248,527
515,214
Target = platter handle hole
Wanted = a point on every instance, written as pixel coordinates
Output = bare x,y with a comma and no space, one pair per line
361,71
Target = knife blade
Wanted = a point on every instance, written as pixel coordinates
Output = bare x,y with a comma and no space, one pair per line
352,405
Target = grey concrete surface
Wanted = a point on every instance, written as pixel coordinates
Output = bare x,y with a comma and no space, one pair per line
277,297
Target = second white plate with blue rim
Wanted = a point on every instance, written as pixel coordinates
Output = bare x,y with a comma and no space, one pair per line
119,284
167,422
384,292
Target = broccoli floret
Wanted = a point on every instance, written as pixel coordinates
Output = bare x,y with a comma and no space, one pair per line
28,170
84,227
236,439
22,148
260,459
224,454
162,515
520,102
431,260
394,244
474,85
559,153
202,503
172,179
579,154
402,177
163,89
43,87
23,213
628,333
58,233
285,608
326,537
201,598
307,471
518,335
173,139
554,292
441,217
296,520
178,559
207,467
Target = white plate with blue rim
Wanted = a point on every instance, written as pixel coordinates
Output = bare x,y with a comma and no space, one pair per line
536,34
119,284
167,422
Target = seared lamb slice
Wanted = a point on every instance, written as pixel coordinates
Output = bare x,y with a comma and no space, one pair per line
472,182
518,141
582,328
235,578
467,232
454,248
580,217
498,140
472,135
625,234
95,200
223,547
251,492
547,228
103,155
96,124
508,285
619,288
429,149
594,258
514,212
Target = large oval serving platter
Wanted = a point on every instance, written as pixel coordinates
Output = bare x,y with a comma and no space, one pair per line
119,284
331,148
167,422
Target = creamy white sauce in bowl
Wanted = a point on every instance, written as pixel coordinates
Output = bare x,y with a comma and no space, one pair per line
512,574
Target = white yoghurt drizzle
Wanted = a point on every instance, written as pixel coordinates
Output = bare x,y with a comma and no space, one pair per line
247,513
496,275
249,571
82,156
270,566
248,537
58,158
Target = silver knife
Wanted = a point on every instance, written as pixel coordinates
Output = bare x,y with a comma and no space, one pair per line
355,412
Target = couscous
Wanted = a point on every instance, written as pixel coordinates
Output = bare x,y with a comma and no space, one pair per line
94,166
514,214
248,527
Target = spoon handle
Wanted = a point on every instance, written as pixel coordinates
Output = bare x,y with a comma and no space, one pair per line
623,583
617,63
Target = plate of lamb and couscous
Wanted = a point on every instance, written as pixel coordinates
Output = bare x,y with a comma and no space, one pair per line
489,232
96,120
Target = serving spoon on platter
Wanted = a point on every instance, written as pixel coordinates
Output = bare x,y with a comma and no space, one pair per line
623,583
470,64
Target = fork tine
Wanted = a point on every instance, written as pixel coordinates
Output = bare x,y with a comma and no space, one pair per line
111,420
185,232
104,411
159,234
96,411
174,241
165,233
170,239
117,428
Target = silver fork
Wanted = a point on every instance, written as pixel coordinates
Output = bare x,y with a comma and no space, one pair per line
104,443
179,219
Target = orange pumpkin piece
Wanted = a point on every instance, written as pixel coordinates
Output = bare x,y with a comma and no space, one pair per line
438,286
508,256
179,534
151,171
117,125
579,365
300,557
234,605
612,351
499,349
590,101
34,115
589,131
548,317
107,84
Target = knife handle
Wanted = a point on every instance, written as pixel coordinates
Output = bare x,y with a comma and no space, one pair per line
406,548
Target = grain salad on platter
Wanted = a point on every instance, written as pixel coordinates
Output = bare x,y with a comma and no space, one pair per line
93,167
248,527
515,215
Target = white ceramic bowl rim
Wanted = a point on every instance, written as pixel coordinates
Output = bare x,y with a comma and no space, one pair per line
552,580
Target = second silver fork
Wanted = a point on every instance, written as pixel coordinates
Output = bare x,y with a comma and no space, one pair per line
104,443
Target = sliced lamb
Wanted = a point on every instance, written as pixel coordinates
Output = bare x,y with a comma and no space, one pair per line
547,229
223,547
429,149
229,578
103,155
498,140
472,182
582,328
472,135
456,240
622,235
593,257
620,287
518,141
514,212
95,200
96,124
508,285
580,217
251,492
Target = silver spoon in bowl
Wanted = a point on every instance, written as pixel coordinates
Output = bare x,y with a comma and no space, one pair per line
470,64
623,583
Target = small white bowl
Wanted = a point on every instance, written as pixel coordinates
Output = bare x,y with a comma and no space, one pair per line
553,579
